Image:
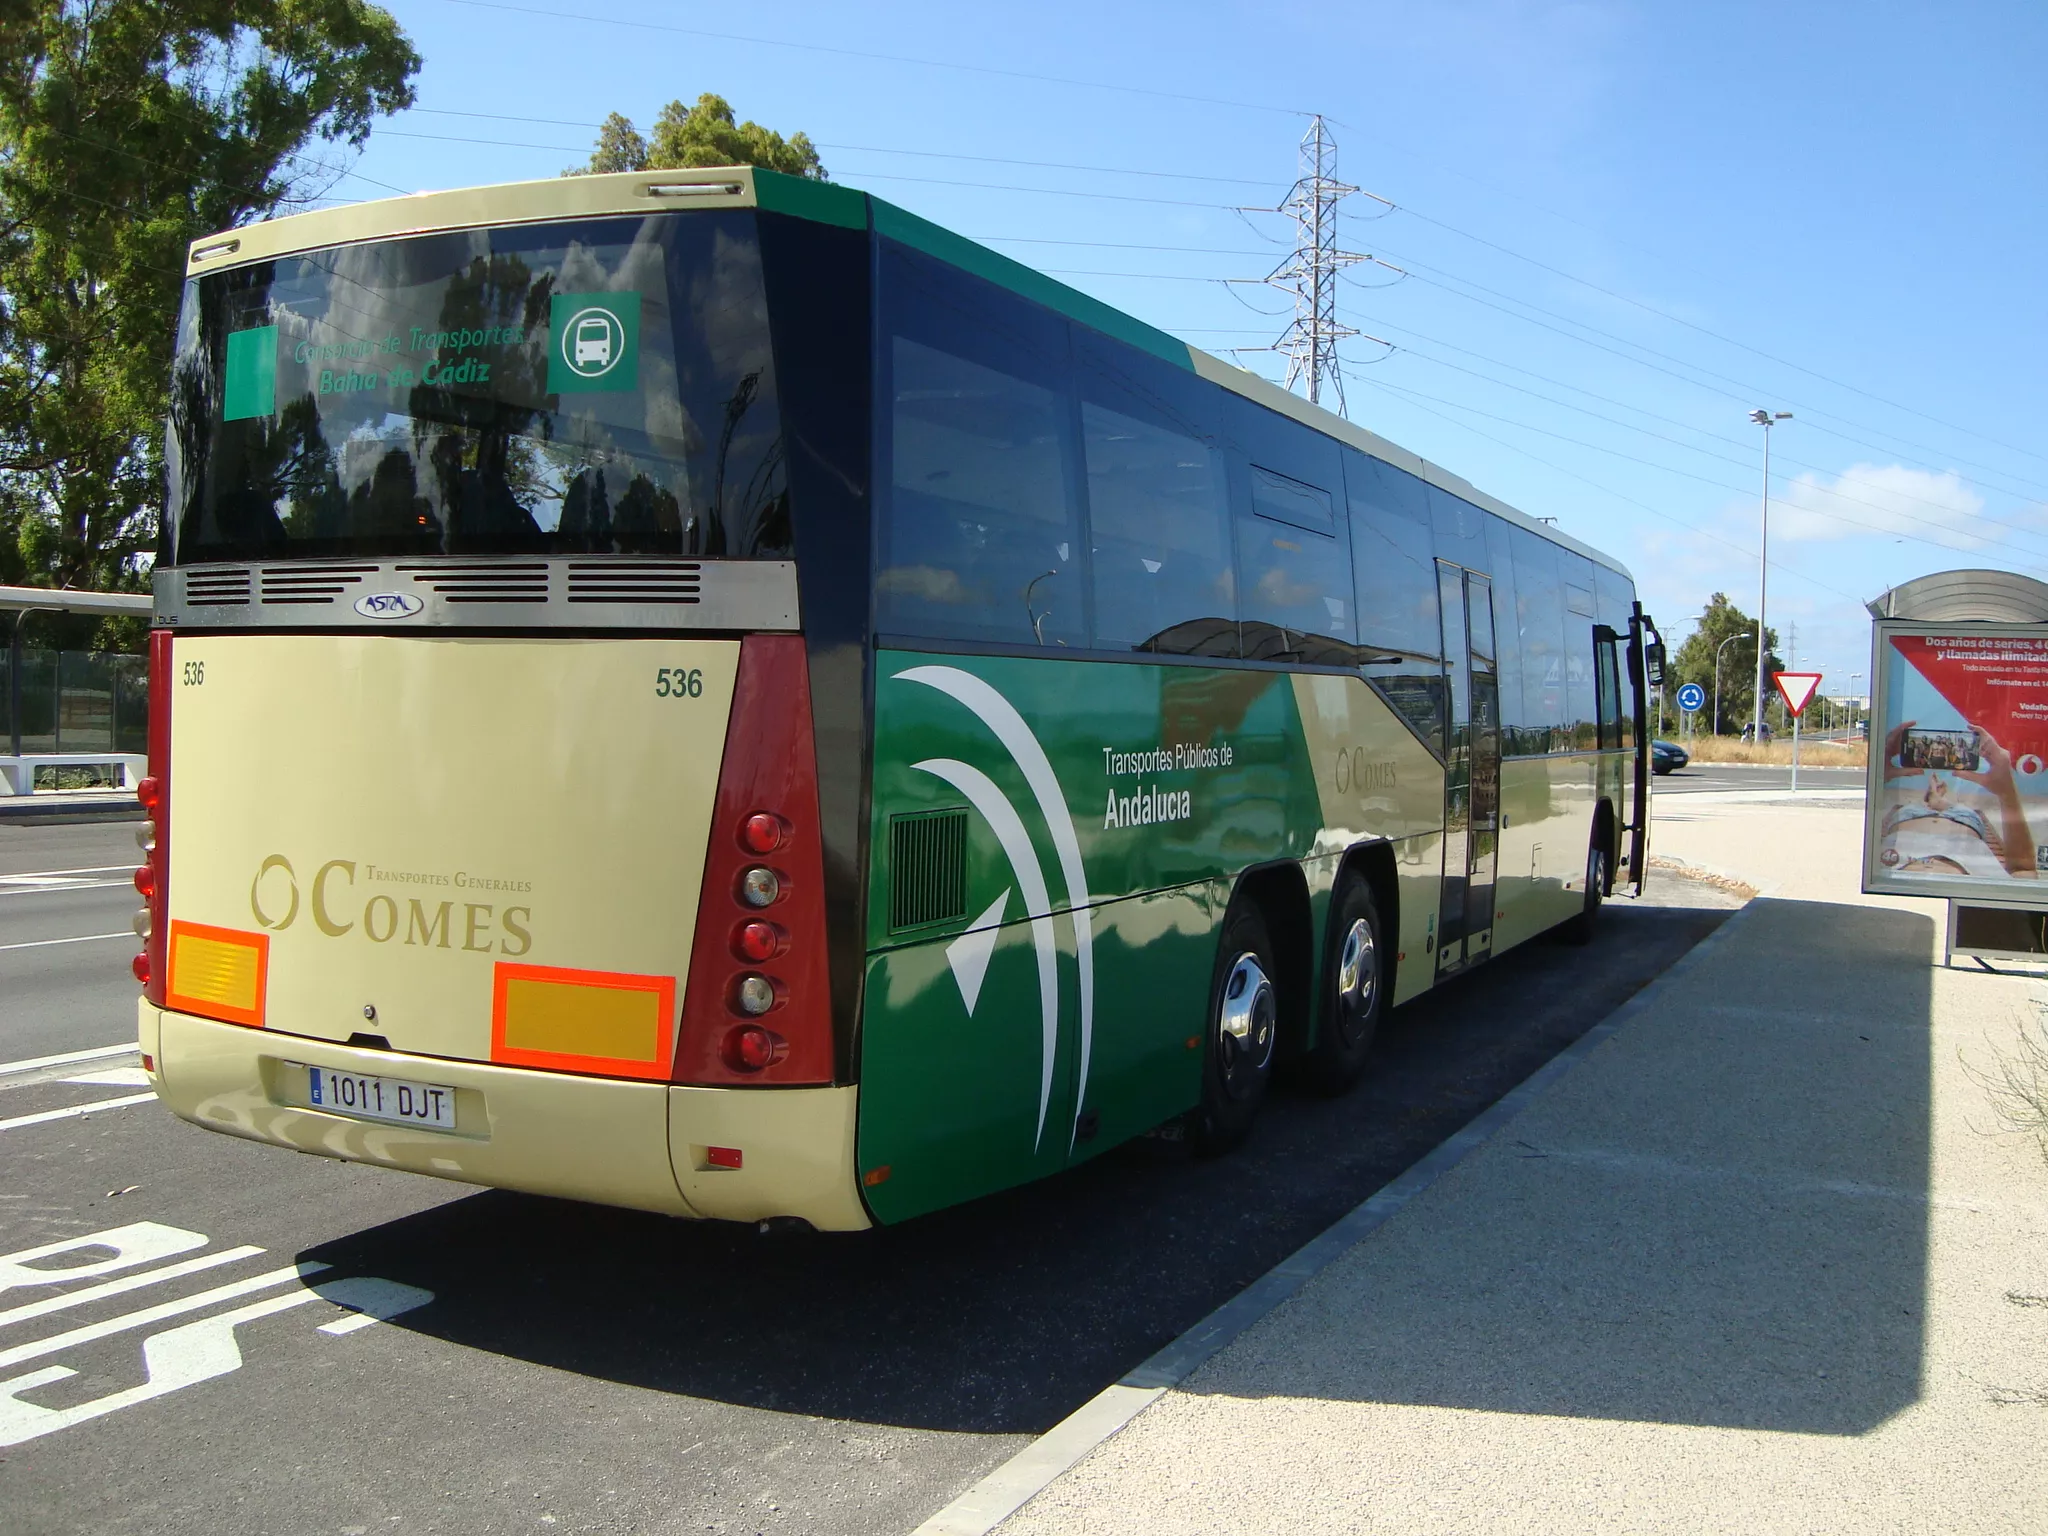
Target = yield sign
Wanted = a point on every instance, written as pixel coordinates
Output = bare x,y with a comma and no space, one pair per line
1796,689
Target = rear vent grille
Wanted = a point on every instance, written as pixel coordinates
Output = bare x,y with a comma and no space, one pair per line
633,581
486,582
300,585
218,589
927,868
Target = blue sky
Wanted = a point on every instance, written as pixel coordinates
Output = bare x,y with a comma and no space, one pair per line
1623,227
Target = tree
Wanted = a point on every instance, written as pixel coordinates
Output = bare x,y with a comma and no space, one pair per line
1722,621
685,138
129,128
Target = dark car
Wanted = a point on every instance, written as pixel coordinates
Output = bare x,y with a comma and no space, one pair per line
1667,755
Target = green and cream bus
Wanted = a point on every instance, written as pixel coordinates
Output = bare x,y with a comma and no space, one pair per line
703,691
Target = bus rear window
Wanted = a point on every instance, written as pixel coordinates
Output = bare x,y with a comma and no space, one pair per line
596,387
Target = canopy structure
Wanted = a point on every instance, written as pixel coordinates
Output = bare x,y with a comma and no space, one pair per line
64,600
1965,597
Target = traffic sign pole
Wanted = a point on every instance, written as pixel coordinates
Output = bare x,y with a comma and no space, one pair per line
1797,690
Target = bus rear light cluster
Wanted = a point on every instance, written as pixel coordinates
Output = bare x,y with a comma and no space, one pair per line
153,878
760,942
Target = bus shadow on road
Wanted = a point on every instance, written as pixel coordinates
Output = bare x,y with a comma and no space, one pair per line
1720,1219
1002,1316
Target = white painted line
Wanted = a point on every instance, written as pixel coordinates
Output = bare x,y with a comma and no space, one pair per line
68,885
126,1283
58,874
157,1313
65,1058
83,938
1032,1470
112,1077
75,1112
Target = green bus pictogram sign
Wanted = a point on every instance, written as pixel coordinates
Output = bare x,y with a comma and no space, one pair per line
593,342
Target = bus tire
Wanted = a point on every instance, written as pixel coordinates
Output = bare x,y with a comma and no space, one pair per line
1354,991
1579,929
1243,1032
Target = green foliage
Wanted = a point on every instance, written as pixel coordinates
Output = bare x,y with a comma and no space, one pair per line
1722,621
685,138
129,128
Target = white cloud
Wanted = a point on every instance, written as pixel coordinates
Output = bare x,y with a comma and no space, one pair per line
1888,499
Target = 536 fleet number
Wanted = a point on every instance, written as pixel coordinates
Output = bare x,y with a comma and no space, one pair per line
678,682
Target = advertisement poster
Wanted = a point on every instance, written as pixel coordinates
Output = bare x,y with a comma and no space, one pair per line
1961,796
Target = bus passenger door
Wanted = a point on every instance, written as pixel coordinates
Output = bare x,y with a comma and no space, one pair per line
1471,768
1645,673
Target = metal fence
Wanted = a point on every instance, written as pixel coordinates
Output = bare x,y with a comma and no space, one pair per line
74,701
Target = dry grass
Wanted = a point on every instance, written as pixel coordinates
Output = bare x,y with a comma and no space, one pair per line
1812,754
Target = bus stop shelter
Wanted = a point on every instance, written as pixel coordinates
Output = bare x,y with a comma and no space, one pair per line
17,769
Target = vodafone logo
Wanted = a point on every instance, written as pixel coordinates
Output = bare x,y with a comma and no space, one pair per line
2029,763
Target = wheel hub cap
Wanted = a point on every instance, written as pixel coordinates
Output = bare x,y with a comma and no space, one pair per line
1246,1026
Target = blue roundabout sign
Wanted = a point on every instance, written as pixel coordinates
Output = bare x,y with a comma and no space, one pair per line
1692,698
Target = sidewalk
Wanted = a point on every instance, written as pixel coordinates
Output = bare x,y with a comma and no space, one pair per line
1752,1266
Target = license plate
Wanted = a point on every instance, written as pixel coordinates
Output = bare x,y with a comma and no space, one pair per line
391,1099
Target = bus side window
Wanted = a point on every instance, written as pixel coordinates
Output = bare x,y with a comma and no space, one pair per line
1608,672
1394,579
980,536
1580,689
1158,509
1539,602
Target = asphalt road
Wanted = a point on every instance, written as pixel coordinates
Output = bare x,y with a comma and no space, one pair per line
553,1367
1708,776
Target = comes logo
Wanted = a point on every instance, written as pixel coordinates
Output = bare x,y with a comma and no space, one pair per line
336,909
388,605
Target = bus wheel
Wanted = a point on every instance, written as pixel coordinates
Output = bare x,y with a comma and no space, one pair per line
1353,991
1244,1028
1579,930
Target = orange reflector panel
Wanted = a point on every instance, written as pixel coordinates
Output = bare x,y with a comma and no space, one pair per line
217,973
876,1176
722,1157
601,1022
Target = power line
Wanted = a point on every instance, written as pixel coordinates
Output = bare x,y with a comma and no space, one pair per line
1717,336
882,58
1418,272
1654,511
1688,474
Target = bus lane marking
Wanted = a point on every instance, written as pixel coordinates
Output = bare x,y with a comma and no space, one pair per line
76,1111
173,1358
65,1058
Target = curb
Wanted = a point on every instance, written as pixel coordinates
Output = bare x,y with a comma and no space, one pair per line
1032,1470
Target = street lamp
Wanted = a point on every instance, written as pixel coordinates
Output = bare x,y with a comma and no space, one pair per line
1738,635
1764,419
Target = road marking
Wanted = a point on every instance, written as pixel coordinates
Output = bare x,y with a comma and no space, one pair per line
112,1077
126,1283
289,1275
75,1112
65,1058
15,885
83,938
177,1357
58,874
1032,1470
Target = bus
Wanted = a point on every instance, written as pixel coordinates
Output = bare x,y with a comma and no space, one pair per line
706,692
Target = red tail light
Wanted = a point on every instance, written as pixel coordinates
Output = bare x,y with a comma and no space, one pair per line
761,917
153,879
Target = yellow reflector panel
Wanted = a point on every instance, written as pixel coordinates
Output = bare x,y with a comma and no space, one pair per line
218,972
583,1021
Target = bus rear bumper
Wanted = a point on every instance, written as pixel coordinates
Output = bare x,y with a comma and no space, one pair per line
646,1146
